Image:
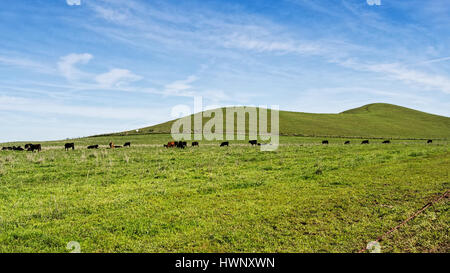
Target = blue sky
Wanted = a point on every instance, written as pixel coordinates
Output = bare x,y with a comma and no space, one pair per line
72,68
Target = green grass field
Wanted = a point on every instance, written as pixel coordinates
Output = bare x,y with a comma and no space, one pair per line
304,197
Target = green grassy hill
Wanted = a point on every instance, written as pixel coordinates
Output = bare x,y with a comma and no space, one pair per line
377,120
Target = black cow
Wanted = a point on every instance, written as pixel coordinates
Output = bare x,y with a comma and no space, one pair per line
27,146
17,148
195,143
253,142
92,147
347,142
68,146
386,142
365,142
325,142
34,147
429,141
127,144
226,143
181,144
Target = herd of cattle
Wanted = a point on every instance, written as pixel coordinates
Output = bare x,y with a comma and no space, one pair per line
367,141
38,147
28,147
183,144
171,144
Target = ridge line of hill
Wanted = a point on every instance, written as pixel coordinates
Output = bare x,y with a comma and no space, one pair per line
376,120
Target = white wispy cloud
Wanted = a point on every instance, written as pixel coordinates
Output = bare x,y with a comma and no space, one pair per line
185,88
66,65
27,64
73,2
331,53
268,45
116,77
111,15
373,2
181,87
437,60
42,106
400,72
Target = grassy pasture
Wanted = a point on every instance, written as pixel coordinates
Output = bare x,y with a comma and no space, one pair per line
304,197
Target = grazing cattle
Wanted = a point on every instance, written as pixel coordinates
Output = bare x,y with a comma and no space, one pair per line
170,144
127,144
347,142
386,142
253,142
429,141
13,148
92,147
195,143
325,142
365,142
112,146
27,146
68,146
181,144
34,147
226,143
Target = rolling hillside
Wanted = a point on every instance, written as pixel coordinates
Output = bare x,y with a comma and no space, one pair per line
377,120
